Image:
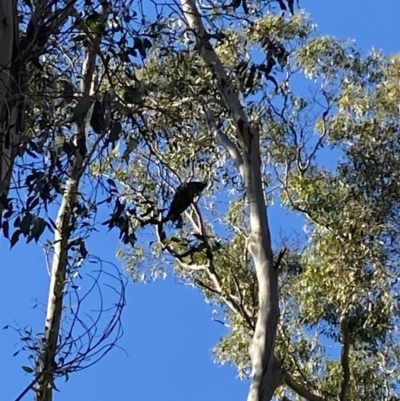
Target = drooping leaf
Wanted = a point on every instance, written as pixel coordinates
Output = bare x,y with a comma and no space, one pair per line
81,109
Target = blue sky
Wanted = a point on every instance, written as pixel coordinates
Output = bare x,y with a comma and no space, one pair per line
168,328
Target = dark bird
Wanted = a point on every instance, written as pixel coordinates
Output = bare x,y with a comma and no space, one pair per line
183,197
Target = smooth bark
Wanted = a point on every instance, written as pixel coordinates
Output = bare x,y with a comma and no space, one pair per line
266,376
47,368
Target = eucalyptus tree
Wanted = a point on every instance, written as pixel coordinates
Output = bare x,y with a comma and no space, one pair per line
57,109
267,111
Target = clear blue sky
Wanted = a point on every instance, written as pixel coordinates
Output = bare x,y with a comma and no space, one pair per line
168,328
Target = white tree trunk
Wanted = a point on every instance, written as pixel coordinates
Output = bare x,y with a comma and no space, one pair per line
266,375
47,365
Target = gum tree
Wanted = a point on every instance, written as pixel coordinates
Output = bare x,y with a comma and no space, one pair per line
224,105
57,111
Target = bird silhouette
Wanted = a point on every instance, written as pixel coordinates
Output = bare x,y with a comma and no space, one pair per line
183,198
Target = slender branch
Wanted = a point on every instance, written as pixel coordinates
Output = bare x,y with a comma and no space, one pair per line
207,287
229,301
229,95
193,267
300,390
295,361
242,305
280,257
28,387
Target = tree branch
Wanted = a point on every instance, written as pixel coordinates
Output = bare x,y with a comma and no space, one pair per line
225,141
229,95
300,390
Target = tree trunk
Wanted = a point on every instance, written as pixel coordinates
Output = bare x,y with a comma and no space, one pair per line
266,375
10,101
47,367
13,58
47,364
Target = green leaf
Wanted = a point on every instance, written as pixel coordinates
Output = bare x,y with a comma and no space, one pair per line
93,23
68,91
27,369
15,238
38,228
6,226
115,132
82,249
81,109
26,224
111,182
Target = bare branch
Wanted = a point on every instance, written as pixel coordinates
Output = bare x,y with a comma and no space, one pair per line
27,388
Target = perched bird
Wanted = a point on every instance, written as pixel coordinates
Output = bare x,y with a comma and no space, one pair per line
183,197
